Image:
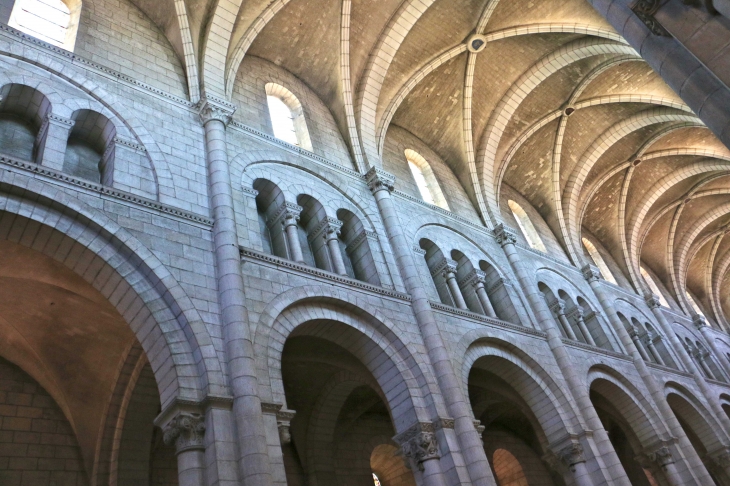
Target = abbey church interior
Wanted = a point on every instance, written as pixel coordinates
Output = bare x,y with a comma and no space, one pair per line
364,242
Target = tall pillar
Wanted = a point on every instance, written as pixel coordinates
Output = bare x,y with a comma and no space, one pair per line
606,455
253,454
476,278
653,302
52,140
186,431
381,184
692,466
447,268
701,324
558,307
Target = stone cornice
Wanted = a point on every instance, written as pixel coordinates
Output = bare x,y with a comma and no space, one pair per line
281,262
437,306
125,197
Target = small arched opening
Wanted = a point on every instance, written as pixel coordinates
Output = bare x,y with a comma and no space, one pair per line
23,112
90,149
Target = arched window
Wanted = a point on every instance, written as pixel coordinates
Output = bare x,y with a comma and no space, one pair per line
599,261
653,286
376,481
526,226
51,21
508,469
287,116
425,179
693,303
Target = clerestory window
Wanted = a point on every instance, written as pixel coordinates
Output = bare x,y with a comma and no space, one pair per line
653,287
425,180
693,303
287,116
526,226
599,261
51,21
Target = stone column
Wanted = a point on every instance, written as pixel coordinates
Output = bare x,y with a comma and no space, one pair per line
582,326
605,457
288,214
421,453
52,140
333,245
558,307
652,348
653,302
702,356
701,324
476,278
447,268
186,431
253,454
634,335
692,466
663,459
381,184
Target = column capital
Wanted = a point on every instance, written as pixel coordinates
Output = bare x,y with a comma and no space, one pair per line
505,235
287,211
418,444
558,307
699,321
652,301
212,108
444,267
378,180
571,455
473,278
186,431
661,456
591,273
329,227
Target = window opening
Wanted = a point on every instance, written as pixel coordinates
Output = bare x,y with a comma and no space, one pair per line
287,116
599,261
653,287
694,304
425,179
526,226
48,20
376,481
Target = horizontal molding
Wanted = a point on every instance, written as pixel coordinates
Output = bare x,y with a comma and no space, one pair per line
282,262
479,317
54,176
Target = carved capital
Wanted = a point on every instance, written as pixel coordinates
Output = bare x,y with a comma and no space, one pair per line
379,180
186,431
571,455
283,424
591,273
329,228
445,267
418,444
558,307
652,301
288,213
212,108
661,456
699,321
645,11
473,278
505,235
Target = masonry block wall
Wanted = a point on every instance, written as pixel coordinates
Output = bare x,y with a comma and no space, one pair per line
344,377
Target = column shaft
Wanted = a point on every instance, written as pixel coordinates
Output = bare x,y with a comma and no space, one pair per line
567,327
584,329
190,467
458,406
292,239
484,300
253,454
455,290
336,254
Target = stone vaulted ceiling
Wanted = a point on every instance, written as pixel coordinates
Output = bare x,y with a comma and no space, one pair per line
557,105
